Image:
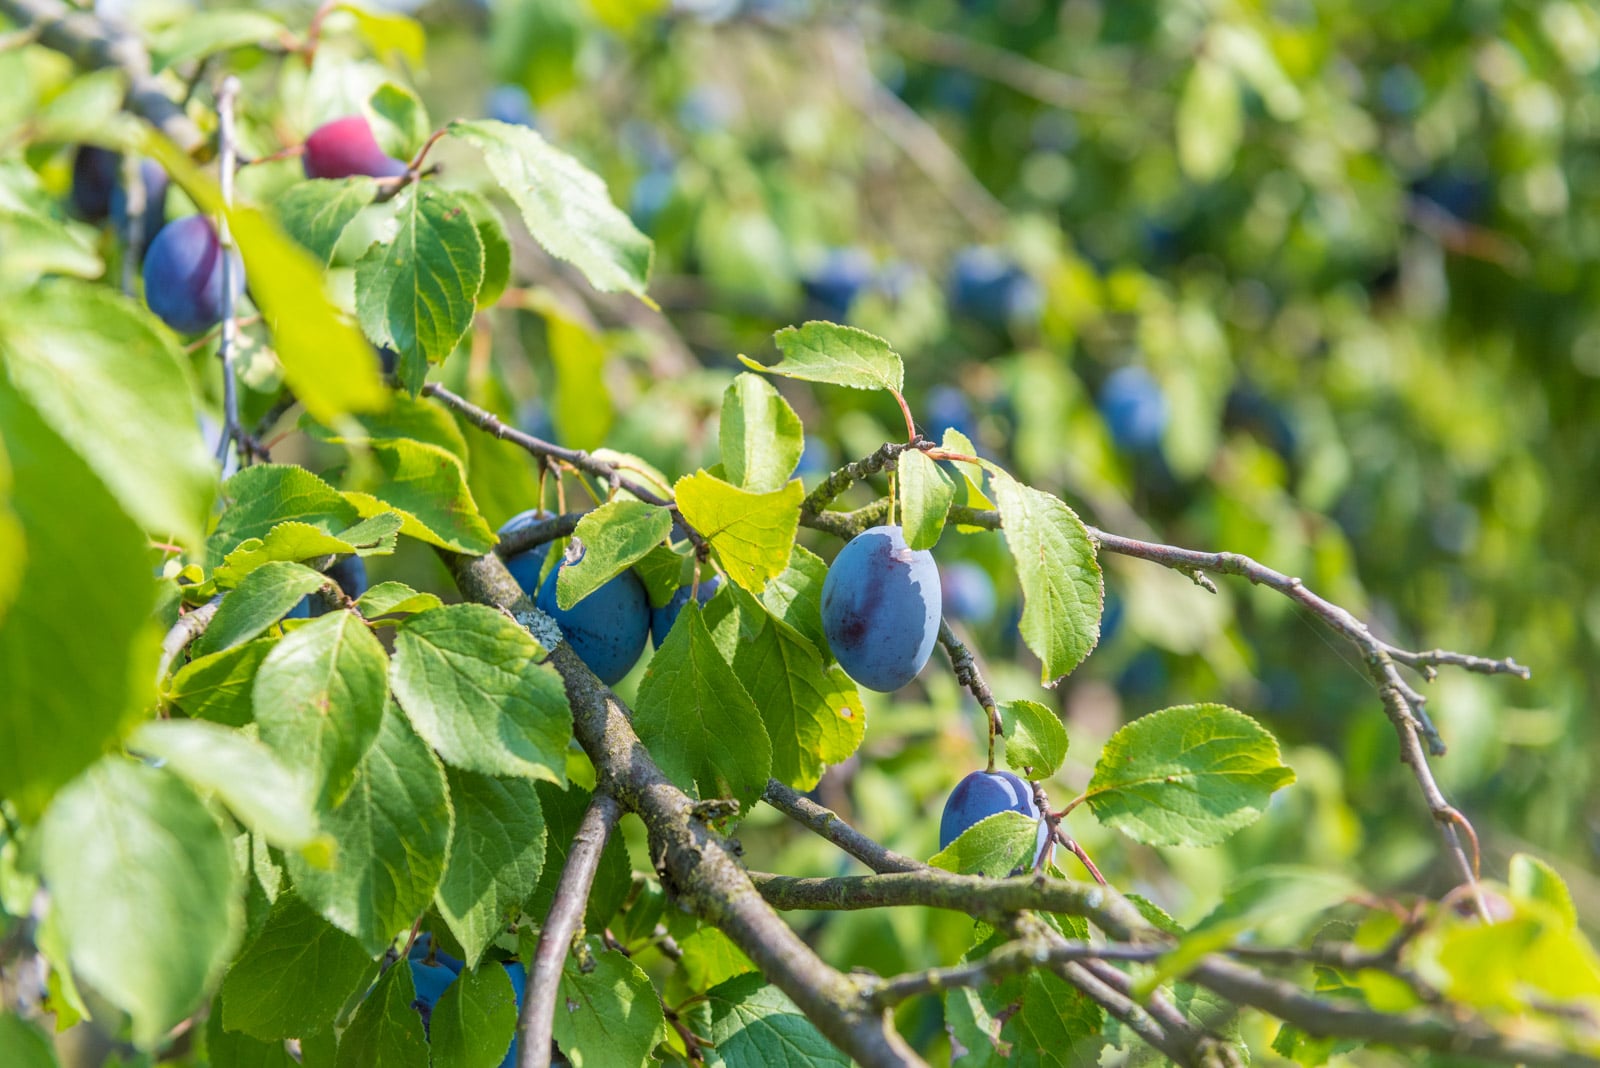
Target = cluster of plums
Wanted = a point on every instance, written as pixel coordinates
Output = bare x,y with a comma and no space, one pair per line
432,972
183,262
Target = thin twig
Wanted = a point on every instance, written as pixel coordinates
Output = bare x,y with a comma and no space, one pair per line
231,430
827,824
188,628
965,667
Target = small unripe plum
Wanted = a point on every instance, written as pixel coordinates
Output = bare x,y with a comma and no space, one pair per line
345,148
967,593
607,629
880,608
662,619
1134,408
183,275
981,795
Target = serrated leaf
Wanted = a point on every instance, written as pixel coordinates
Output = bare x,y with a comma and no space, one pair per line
837,355
395,598
563,811
710,959
319,698
581,407
1036,740
1059,1025
219,687
269,799
761,438
294,979
997,846
661,570
374,536
614,536
496,248
970,485
475,1020
564,205
230,1049
316,211
417,293
264,495
424,485
143,884
926,494
1533,879
609,1017
107,379
496,853
1190,775
753,1024
386,1032
795,596
691,706
292,541
22,1045
203,33
401,111
77,645
391,831
415,418
1062,592
259,601
751,533
472,683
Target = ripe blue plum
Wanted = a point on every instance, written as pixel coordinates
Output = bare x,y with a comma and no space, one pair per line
1134,408
880,608
183,275
607,629
519,984
424,950
990,288
981,795
967,593
345,148
662,619
431,981
836,280
511,104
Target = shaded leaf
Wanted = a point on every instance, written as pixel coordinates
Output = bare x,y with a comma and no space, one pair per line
294,979
497,847
761,438
614,537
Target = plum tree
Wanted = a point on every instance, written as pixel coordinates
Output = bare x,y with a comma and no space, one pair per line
990,288
662,619
983,794
967,592
837,279
183,275
880,608
1134,408
607,629
345,148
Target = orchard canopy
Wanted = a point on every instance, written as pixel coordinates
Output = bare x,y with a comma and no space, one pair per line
799,533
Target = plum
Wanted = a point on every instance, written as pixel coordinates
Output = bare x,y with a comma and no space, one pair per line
948,409
981,795
990,288
519,985
345,148
662,619
431,981
350,572
424,950
98,192
510,104
1134,408
432,972
967,593
880,608
836,280
183,275
607,629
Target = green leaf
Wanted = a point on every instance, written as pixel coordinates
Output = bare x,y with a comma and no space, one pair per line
710,959
613,536
612,1016
837,355
294,979
691,707
399,110
328,364
229,1049
475,1019
219,687
761,437
1209,120
103,376
292,541
417,293
496,248
661,570
1274,904
416,418
795,596
751,533
386,1031
78,647
753,1024
496,853
1036,741
264,495
260,601
1190,775
564,204
390,32
581,409
316,211
319,698
270,799
970,486
997,846
471,682
394,598
1058,1026
1534,880
22,1045
425,486
813,716
392,830
36,246
926,493
199,34
1062,593
563,810
375,535
142,881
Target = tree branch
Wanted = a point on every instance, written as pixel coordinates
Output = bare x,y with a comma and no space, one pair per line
535,1024
827,824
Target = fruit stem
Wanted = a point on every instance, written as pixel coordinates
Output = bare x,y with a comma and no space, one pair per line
905,410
